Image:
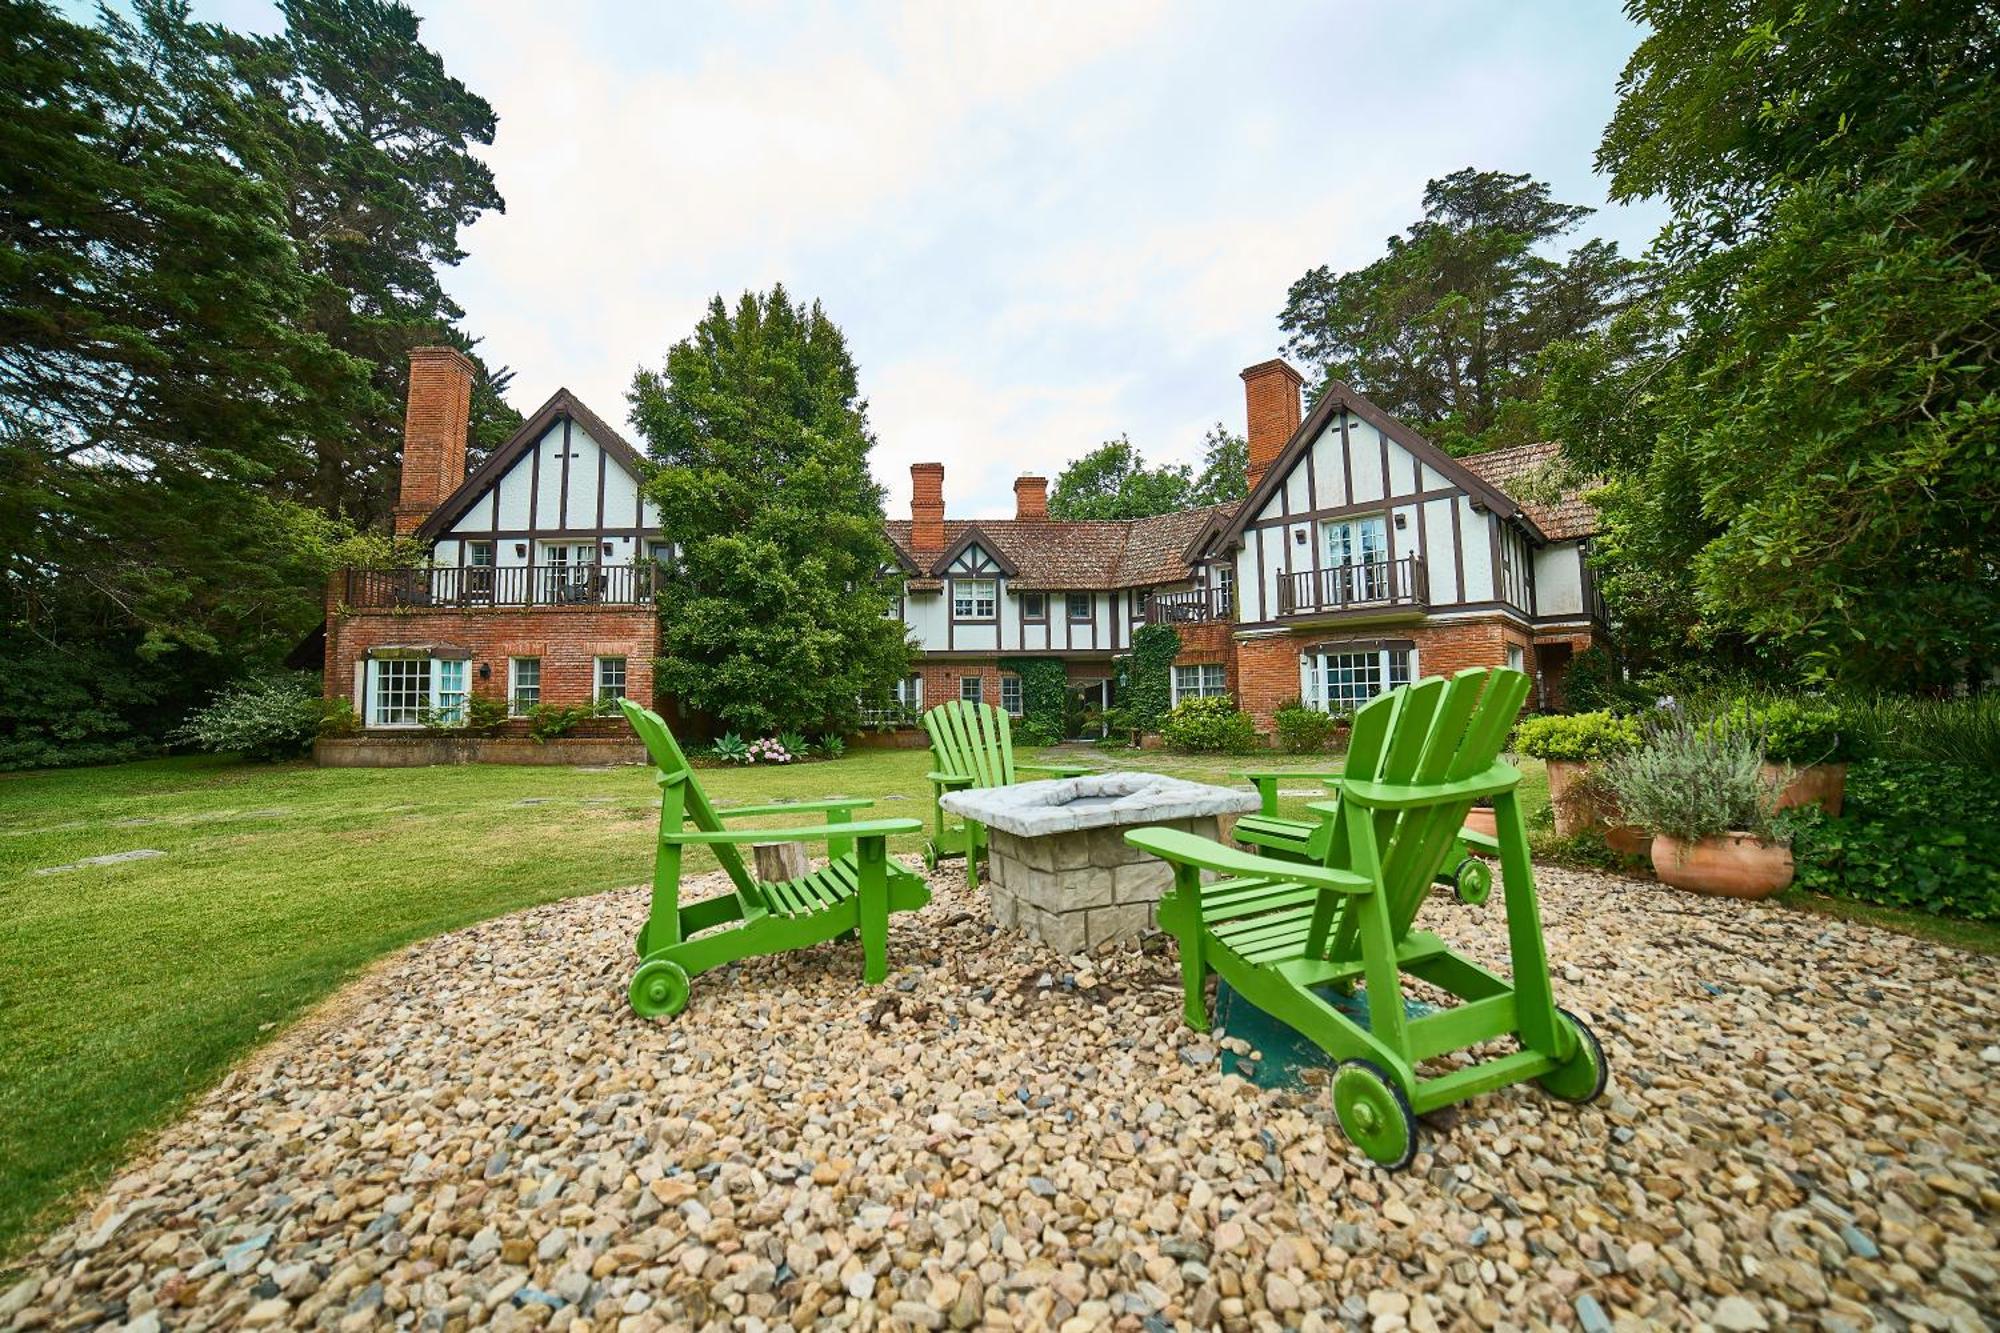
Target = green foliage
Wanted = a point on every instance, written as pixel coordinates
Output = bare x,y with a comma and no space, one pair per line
1445,329
546,722
794,743
1144,682
1964,732
1115,481
731,748
1594,684
1586,849
264,720
1044,694
1918,835
1303,730
780,613
338,718
1692,781
1577,737
1829,292
1793,731
1209,726
831,746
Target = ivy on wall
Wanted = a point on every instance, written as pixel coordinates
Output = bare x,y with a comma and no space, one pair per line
1144,689
1044,685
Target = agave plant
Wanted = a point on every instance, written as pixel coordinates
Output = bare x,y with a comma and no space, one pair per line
794,743
730,749
832,745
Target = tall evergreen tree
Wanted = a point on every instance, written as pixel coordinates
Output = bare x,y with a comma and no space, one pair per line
1115,481
1444,330
1802,427
778,611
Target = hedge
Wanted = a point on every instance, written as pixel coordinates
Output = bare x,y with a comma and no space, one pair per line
1044,686
1922,836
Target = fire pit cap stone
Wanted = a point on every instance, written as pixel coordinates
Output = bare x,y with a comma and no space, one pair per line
1099,800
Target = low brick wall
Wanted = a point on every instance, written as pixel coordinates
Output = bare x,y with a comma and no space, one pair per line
426,750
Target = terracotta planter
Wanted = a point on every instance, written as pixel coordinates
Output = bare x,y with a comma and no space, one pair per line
1580,810
1824,785
1480,819
1734,865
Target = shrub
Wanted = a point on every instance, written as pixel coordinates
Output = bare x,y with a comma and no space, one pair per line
1965,731
1692,781
1038,731
793,743
1044,692
1793,730
831,746
265,719
1922,836
1303,730
1593,683
548,721
1209,726
338,718
730,749
1577,737
770,750
1143,684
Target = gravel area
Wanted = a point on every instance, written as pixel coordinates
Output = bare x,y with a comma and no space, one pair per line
1802,1131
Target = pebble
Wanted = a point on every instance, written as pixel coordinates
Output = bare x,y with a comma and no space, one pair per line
477,1131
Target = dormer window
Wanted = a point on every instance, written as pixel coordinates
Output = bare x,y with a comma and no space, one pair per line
973,599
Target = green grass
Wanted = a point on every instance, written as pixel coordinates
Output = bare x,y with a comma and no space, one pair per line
131,988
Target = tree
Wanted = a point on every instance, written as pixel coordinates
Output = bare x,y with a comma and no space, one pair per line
1445,329
1802,426
1114,480
779,610
1225,467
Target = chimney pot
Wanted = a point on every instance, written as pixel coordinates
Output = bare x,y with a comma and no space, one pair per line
1271,403
436,420
1031,497
927,508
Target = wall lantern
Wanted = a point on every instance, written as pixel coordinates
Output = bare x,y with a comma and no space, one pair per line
607,548
520,548
486,671
1402,521
1299,536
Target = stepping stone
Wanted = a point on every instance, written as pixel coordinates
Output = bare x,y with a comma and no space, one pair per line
112,859
534,800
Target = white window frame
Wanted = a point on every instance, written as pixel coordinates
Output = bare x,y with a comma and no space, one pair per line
514,705
978,694
975,599
1360,680
1010,694
442,692
597,692
909,692
1205,680
1089,605
1517,657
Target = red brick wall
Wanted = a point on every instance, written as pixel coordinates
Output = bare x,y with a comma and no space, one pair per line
1267,669
1209,641
1267,674
567,639
435,422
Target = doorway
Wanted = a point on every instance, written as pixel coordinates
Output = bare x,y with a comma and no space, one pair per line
1084,705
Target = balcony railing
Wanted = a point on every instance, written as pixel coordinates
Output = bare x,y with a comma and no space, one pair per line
1377,585
503,585
1189,608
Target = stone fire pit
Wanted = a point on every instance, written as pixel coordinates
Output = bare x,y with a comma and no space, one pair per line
1058,864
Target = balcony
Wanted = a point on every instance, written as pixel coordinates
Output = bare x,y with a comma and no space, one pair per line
478,587
1380,585
1189,608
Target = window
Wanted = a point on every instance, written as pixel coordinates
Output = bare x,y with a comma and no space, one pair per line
972,599
610,678
524,684
1341,679
1222,589
450,684
1205,680
1360,547
971,689
910,692
479,555
1010,694
1079,606
402,691
1516,659
1034,606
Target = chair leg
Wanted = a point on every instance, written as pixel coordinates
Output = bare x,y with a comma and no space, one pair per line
1181,914
873,894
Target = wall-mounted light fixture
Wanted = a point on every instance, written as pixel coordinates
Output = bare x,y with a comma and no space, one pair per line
1299,536
520,548
486,671
1402,521
607,548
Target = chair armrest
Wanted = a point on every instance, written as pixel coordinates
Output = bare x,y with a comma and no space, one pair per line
783,807
951,779
1265,780
867,828
1183,848
1484,842
1060,770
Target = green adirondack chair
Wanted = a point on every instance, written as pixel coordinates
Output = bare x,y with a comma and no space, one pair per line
854,892
1294,937
972,745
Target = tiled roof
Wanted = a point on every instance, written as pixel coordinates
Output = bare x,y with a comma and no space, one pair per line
1079,554
1568,518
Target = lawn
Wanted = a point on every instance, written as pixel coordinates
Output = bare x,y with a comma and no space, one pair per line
132,987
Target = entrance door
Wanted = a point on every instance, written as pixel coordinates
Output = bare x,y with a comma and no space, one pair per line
1084,705
570,570
1357,556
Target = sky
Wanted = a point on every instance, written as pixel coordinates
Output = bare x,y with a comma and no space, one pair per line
1039,225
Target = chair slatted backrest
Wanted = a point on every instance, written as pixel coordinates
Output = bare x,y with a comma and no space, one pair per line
972,739
681,798
1434,731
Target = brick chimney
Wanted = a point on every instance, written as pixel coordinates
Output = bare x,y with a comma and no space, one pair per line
1031,497
927,509
1271,399
434,429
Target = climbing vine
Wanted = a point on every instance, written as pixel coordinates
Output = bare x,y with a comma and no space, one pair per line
1044,684
1144,691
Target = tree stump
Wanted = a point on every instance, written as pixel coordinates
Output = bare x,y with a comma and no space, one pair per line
778,861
